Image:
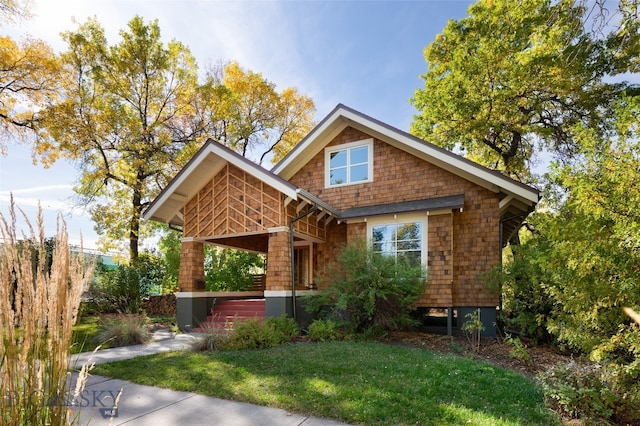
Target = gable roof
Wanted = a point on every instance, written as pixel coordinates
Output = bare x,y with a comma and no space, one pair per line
517,200
342,117
209,159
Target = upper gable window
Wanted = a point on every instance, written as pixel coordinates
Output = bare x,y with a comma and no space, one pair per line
349,163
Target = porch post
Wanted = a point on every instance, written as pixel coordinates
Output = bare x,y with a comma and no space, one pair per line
191,276
279,261
191,310
278,283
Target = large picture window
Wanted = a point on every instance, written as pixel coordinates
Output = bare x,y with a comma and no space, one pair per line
403,238
350,163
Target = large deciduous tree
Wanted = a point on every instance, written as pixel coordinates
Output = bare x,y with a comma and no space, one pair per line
126,114
133,113
513,78
29,71
251,117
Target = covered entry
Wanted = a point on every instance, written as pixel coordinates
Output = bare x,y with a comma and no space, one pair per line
221,198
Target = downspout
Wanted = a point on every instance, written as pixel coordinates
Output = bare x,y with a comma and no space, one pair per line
293,269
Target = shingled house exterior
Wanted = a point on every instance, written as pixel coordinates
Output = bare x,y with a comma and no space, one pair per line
352,177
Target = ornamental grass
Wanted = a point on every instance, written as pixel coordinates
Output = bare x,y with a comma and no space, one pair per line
41,284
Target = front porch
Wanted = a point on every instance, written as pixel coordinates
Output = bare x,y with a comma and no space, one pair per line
220,309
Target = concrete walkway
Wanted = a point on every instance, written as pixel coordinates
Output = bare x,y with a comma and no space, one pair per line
149,405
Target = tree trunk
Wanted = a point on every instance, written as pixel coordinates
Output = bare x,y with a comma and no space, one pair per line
134,225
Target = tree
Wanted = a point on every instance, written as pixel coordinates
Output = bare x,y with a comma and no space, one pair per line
512,75
126,114
29,71
249,116
11,10
596,234
132,114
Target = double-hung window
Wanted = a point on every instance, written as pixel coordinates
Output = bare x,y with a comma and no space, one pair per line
402,238
349,163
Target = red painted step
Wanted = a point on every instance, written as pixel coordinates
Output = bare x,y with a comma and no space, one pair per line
226,312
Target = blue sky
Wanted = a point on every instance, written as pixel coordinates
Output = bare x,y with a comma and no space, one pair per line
364,54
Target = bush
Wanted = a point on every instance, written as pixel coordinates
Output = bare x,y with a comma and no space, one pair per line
123,330
518,349
473,328
251,334
592,393
325,331
369,291
121,289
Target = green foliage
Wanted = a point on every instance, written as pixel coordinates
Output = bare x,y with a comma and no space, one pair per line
500,99
368,291
252,334
473,328
595,236
123,330
523,277
581,391
115,290
325,331
121,289
170,246
231,270
518,349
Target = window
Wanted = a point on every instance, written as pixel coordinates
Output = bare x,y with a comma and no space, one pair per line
403,238
350,163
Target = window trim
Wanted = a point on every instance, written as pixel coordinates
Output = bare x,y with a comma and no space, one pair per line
348,147
396,219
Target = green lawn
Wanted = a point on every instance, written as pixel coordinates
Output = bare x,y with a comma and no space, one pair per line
359,383
84,333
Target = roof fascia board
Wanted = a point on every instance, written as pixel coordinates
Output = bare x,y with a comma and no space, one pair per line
175,183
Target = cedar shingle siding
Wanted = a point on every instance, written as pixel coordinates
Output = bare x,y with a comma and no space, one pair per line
399,176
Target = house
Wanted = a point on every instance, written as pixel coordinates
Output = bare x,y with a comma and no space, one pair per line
351,177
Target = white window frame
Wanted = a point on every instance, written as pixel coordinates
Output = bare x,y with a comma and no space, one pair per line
348,147
422,218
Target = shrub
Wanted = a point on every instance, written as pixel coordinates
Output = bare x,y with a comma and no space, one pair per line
121,289
518,349
473,329
231,270
251,334
580,391
368,290
39,299
123,330
325,331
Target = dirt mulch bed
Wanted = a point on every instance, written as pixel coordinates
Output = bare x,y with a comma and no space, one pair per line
492,350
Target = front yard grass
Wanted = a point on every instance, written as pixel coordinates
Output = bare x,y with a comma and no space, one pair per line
354,382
